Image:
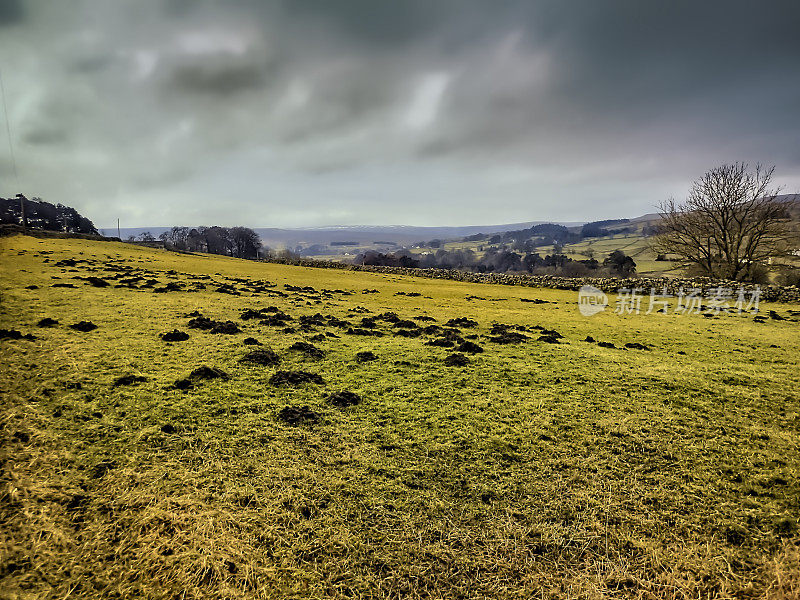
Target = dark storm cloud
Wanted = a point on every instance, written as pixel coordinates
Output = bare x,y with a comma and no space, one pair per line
11,12
393,111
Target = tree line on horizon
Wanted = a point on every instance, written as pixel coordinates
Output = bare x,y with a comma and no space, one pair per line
38,214
239,242
502,260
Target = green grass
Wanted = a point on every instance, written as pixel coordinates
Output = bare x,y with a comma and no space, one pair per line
538,470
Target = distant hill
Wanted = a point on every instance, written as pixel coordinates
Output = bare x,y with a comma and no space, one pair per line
395,234
404,235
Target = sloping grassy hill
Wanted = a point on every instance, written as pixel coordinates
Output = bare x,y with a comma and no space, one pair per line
136,467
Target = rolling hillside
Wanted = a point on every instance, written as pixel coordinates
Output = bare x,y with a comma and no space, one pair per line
197,426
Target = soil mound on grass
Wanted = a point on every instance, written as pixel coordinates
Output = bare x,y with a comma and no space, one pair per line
205,372
175,336
201,322
462,322
13,334
309,350
265,358
129,380
470,347
199,374
47,322
97,282
636,346
295,378
366,356
344,398
456,360
509,337
83,326
296,415
226,327
251,341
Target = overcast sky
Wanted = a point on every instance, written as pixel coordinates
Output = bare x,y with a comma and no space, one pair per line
416,112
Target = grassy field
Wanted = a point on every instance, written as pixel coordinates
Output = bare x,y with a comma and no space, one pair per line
536,470
633,245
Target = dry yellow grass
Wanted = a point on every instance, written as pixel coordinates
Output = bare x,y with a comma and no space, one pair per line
538,470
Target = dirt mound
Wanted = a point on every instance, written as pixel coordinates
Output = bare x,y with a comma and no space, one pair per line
63,285
129,380
295,415
545,331
205,372
366,332
264,358
83,326
279,319
226,327
509,337
606,345
227,288
13,334
295,378
409,333
636,346
405,324
470,347
47,322
775,316
456,360
97,282
251,341
310,350
501,328
201,322
462,322
548,339
344,399
589,339
200,374
175,336
366,356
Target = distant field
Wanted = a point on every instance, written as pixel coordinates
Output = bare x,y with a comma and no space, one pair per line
633,245
536,470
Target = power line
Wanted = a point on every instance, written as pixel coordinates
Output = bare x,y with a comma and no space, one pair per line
8,129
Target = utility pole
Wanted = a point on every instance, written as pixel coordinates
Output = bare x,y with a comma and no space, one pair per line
22,199
119,235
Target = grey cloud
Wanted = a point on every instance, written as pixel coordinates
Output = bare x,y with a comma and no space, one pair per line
219,77
172,99
11,12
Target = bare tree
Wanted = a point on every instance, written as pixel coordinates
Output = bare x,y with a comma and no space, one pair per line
730,223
